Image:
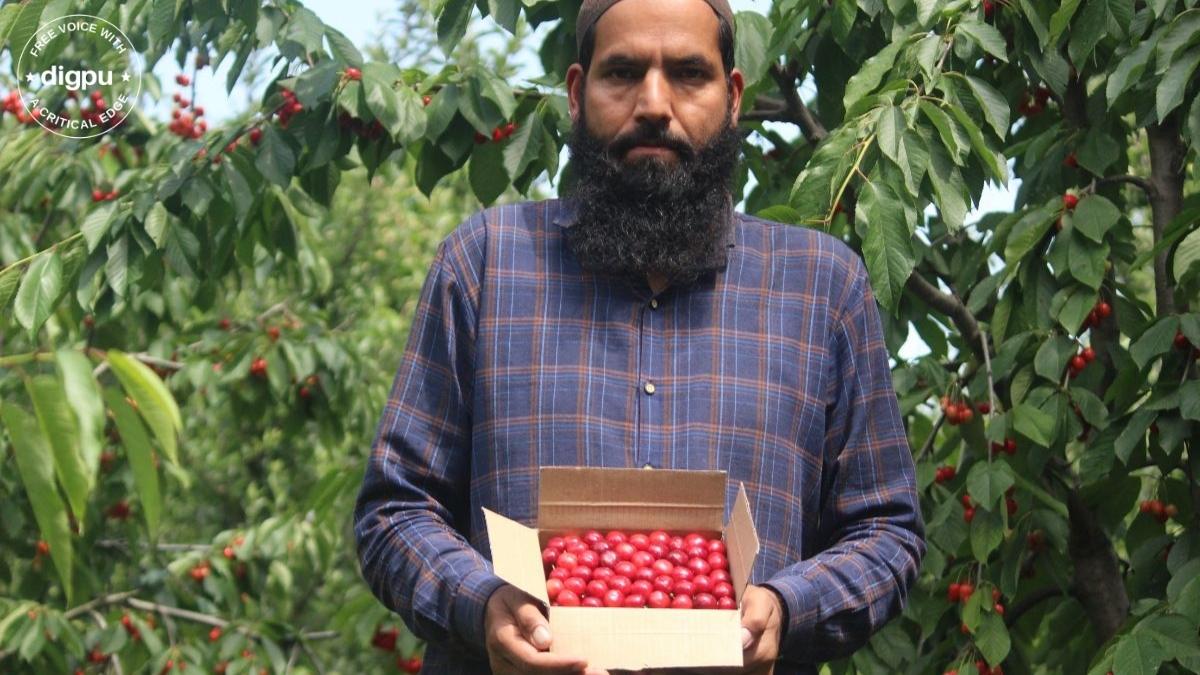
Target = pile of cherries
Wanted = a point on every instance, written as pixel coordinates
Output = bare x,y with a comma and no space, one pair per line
656,570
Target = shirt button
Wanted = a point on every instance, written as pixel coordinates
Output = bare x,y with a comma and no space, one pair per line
647,465
653,303
649,388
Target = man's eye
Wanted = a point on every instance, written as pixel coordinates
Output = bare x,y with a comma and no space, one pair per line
692,74
622,73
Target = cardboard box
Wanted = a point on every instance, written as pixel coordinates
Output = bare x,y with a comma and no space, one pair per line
576,499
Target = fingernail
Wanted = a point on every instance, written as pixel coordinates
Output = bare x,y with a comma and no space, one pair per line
541,637
747,638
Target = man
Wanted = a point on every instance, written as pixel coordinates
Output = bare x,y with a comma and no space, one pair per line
644,323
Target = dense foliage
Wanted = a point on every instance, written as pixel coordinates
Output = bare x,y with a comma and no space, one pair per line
198,326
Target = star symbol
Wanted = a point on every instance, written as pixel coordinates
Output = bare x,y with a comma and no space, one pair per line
32,77
125,76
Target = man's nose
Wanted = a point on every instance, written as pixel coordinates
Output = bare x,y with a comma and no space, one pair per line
654,100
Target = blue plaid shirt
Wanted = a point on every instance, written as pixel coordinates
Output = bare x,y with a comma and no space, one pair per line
772,369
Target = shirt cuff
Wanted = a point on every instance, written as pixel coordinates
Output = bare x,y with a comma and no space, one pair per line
798,631
470,605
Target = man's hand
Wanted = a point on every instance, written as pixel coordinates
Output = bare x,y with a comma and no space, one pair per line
762,629
518,638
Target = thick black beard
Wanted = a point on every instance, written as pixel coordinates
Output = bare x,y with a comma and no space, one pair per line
650,216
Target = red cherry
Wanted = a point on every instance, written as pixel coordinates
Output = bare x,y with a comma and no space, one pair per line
657,550
624,567
1070,160
676,543
567,598
1011,505
592,536
98,195
642,559
664,583
952,593
1181,341
255,135
695,539
182,80
658,599
549,555
663,566
614,598
644,574
640,541
497,134
635,600
681,602
1088,354
983,407
716,546
353,74
683,587
214,634
726,603
704,601
596,589
1010,446
582,571
699,566
660,537
567,560
965,591
553,588
969,513
719,575
625,551
560,573
988,9
574,585
589,559
425,100
682,573
722,589
620,583
696,552
641,587
1069,201
966,500
703,583
1078,363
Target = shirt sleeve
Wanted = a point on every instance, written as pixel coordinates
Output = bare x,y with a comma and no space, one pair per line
414,498
871,528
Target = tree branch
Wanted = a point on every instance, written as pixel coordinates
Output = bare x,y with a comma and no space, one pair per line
951,306
1145,185
1027,603
1167,154
814,131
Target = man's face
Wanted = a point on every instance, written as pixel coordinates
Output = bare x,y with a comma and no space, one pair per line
655,63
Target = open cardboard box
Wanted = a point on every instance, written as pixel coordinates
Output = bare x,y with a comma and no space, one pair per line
576,499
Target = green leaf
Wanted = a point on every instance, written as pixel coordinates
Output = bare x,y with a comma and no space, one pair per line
153,400
1037,426
97,223
949,188
887,247
952,138
1028,231
496,90
890,132
750,48
25,25
316,84
452,22
1094,216
1061,19
1052,357
156,223
1189,400
1071,306
141,456
524,146
116,266
989,39
1174,634
162,23
486,172
1172,86
35,464
987,532
1133,434
987,482
995,107
10,278
1138,654
1186,257
276,160
83,395
39,289
1156,340
1086,261
811,193
343,49
1183,31
505,13
1099,18
992,638
992,161
870,74
1128,71
60,429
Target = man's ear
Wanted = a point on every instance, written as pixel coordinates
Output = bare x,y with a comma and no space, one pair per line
575,77
737,84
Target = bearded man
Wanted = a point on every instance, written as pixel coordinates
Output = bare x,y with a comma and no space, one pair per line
642,322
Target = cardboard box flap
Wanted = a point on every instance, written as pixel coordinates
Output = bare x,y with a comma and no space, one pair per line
516,554
646,499
741,542
636,639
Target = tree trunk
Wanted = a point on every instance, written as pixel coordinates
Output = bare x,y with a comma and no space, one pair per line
1166,175
1098,583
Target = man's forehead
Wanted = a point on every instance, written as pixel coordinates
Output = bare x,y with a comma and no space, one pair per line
684,11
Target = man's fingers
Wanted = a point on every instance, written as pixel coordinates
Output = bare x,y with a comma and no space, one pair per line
533,625
516,649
